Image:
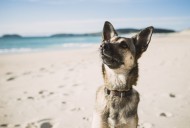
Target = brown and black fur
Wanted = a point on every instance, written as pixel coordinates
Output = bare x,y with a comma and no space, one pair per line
120,72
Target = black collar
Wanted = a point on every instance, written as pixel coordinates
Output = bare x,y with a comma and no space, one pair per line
120,94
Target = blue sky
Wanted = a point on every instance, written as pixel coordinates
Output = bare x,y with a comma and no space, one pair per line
45,17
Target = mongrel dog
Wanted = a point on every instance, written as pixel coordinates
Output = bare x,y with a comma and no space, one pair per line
117,101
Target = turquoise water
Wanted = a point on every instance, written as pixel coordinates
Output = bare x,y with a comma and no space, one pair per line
28,44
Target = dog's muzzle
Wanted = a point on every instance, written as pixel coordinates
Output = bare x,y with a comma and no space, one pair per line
105,46
108,56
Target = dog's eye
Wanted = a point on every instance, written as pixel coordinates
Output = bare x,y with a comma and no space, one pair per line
123,44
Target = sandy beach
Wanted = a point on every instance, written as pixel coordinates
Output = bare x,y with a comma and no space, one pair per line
57,89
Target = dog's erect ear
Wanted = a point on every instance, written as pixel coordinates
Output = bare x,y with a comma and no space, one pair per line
142,40
108,31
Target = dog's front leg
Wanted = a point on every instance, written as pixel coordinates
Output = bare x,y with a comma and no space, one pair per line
132,122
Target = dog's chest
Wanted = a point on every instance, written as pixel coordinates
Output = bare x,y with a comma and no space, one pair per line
117,117
121,111
116,80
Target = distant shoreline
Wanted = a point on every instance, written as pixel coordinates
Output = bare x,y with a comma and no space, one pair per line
120,31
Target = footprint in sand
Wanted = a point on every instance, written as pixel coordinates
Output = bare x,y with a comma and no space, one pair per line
172,95
50,93
42,69
71,69
166,114
19,99
85,118
65,94
63,102
9,73
30,97
41,92
45,93
60,86
44,123
17,125
31,125
75,109
3,125
11,78
75,84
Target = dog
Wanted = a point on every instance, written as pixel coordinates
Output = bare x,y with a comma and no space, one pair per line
117,101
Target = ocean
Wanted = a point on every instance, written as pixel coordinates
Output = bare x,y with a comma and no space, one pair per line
34,44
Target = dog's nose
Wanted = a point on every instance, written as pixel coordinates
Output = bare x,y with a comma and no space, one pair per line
105,46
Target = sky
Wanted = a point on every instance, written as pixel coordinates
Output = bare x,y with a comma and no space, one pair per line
46,17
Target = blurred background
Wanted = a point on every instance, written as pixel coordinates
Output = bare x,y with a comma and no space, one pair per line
83,19
46,17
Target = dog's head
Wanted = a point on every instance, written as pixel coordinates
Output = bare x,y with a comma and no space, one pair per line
120,52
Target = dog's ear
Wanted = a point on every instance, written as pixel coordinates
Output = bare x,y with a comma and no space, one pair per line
142,40
108,31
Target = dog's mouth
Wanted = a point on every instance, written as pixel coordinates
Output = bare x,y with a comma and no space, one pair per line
110,60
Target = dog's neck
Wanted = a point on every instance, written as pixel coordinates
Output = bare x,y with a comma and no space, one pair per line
120,80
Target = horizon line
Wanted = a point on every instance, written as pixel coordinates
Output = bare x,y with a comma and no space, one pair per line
82,33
